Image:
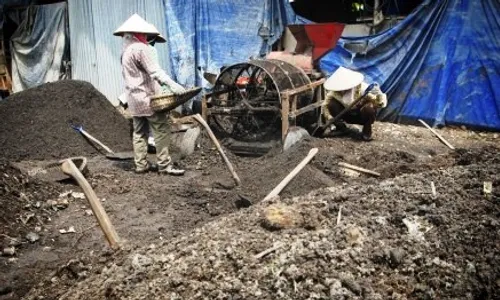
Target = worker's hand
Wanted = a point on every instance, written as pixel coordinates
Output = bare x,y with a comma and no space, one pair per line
376,89
177,88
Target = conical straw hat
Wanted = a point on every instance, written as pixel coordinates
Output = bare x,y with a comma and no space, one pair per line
343,79
136,24
159,38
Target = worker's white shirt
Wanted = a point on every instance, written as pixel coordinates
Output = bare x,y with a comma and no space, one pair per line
379,98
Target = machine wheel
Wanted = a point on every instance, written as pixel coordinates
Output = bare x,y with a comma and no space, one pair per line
252,92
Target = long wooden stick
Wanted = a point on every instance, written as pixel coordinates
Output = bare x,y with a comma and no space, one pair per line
359,169
267,251
277,190
96,141
70,168
200,120
437,134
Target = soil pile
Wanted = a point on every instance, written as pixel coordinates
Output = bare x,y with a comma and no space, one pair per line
36,122
258,175
21,201
394,239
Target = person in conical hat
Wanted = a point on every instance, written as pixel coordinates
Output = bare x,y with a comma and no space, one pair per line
143,76
343,87
152,40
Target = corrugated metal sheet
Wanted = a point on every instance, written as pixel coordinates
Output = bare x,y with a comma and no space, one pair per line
95,52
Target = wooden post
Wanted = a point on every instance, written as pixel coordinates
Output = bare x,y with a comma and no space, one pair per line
285,110
294,109
204,109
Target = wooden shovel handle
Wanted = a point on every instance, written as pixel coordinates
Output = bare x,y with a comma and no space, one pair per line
200,120
70,168
277,190
96,141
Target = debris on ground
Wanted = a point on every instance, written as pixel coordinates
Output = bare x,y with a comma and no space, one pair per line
21,209
371,254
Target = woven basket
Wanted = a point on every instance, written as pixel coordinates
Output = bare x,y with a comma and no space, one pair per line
167,102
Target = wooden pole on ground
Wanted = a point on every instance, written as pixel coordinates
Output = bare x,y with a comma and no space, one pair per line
70,168
437,134
359,169
275,192
198,118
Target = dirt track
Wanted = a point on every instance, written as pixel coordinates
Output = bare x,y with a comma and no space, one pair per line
148,209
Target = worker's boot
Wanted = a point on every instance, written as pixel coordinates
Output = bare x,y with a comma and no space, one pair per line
150,167
367,133
143,170
171,170
340,130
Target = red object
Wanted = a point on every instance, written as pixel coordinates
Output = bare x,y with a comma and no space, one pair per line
141,37
244,80
321,37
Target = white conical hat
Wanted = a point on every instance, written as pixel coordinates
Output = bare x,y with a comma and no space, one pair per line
159,38
136,24
343,79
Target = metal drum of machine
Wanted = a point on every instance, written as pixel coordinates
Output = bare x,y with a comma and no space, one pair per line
246,102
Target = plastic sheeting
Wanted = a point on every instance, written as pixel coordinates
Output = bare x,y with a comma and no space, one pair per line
38,46
440,64
206,35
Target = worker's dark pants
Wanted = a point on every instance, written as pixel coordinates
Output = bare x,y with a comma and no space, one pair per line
365,115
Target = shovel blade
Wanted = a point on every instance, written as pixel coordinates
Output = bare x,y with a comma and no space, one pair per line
53,172
294,135
120,156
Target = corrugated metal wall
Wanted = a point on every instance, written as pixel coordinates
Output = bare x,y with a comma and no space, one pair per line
95,51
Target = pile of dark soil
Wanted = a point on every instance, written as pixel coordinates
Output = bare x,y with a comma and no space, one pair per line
394,239
21,201
259,175
35,122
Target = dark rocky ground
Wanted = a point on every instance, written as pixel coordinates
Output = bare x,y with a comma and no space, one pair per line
196,236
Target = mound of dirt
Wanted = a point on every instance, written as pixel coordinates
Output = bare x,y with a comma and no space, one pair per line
36,122
260,175
393,239
21,201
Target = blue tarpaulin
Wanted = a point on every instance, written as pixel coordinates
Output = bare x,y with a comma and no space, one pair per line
440,64
210,34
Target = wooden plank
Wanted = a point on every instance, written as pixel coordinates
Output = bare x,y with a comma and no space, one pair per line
303,88
305,109
359,169
437,134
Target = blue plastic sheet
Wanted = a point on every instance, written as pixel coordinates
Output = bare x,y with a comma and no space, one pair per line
205,35
440,64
